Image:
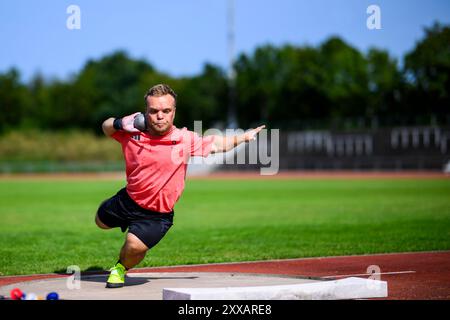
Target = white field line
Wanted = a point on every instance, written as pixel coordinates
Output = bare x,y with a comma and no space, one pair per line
368,274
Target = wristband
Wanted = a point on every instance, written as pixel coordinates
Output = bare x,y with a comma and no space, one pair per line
117,124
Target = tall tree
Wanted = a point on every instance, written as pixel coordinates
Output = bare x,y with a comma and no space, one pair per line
108,87
258,83
427,72
302,94
14,100
346,82
385,83
202,98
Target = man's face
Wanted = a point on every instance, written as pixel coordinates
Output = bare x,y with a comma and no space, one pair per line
160,114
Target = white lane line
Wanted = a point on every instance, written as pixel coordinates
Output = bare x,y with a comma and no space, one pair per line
367,274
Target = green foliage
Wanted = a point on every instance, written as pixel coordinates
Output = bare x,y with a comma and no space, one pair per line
286,87
33,145
385,83
202,97
14,100
108,87
427,69
346,78
258,83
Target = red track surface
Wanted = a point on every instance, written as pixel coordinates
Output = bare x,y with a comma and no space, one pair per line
410,276
244,175
324,174
430,280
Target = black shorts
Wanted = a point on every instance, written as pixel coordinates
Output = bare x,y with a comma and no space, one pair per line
121,211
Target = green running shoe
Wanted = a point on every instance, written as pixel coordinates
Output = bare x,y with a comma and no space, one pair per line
117,276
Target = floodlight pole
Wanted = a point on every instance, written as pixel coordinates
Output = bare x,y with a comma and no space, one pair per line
231,74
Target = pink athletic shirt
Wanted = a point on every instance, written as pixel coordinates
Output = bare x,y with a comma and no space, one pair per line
156,165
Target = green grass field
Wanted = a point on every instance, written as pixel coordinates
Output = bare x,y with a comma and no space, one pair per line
46,226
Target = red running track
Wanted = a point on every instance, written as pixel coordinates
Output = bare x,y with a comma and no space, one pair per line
410,276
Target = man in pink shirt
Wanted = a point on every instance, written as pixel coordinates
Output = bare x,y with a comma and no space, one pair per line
156,161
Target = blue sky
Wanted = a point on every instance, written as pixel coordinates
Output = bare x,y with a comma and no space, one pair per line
179,36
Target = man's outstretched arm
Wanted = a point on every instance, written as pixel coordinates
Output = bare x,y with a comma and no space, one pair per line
226,143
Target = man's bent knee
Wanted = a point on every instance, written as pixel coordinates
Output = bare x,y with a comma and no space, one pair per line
135,245
100,224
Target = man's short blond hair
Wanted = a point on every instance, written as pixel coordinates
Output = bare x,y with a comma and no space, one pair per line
160,90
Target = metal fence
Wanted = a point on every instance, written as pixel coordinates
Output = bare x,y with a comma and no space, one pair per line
401,148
